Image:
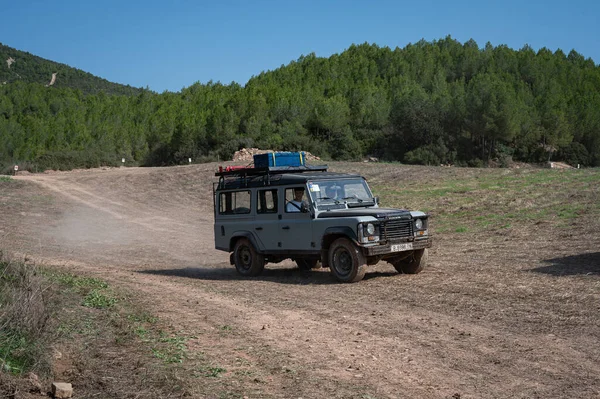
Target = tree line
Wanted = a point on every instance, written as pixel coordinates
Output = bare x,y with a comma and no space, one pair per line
440,102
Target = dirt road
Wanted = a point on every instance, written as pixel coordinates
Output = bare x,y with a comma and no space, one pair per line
492,316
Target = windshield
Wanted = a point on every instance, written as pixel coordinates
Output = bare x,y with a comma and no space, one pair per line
338,191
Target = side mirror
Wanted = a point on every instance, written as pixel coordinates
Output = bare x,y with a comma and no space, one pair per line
376,199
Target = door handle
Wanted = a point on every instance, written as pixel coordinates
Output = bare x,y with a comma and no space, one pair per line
258,228
286,227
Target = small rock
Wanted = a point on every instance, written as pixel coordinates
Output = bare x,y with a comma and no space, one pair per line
34,380
62,390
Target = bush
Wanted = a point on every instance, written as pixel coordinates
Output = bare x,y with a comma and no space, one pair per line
574,154
421,156
24,316
504,155
68,160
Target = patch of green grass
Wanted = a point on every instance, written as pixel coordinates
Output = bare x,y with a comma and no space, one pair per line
166,356
77,282
15,354
461,230
226,328
169,348
96,292
490,199
143,317
99,299
209,371
568,211
141,332
6,178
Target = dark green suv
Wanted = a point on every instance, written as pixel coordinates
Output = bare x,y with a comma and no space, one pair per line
310,215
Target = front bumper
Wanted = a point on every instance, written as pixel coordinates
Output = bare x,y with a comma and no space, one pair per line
386,249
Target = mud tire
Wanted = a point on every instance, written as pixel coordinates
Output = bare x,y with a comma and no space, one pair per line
414,263
247,261
346,262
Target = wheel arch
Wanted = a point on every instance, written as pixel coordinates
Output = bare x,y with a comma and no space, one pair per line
330,235
243,234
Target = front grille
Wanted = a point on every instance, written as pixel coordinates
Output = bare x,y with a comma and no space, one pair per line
393,229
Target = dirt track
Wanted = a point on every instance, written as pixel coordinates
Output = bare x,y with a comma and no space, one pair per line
494,316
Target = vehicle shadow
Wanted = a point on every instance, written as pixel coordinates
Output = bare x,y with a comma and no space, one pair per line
583,264
280,275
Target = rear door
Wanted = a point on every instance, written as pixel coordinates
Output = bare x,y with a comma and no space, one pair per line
268,211
233,213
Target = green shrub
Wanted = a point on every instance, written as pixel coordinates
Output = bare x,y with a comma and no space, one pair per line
67,160
575,154
422,156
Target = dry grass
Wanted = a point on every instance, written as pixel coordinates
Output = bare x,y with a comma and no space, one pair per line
25,311
103,345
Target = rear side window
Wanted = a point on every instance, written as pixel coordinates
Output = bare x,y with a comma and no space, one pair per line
267,201
234,202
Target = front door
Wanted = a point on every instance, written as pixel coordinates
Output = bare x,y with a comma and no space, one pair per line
295,226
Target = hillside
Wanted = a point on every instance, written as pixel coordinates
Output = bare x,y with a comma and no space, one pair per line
16,65
430,103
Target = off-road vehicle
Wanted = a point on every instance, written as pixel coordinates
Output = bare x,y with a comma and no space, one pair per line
310,215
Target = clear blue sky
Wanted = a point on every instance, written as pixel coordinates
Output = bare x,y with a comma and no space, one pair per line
168,45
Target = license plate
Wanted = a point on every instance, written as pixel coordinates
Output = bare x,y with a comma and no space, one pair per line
402,247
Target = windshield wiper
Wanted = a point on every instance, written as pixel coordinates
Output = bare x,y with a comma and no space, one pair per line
353,197
331,199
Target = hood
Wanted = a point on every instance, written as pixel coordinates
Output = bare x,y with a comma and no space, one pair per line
379,213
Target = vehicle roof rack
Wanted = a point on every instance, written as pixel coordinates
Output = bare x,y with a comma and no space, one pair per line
241,176
269,170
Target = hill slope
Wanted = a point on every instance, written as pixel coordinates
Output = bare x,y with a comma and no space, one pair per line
16,65
440,102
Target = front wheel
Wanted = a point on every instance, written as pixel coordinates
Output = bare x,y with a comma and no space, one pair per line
346,262
413,264
247,261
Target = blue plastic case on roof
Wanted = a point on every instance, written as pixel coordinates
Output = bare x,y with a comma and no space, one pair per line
279,159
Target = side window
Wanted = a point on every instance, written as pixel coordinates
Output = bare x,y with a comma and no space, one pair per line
234,202
294,197
267,201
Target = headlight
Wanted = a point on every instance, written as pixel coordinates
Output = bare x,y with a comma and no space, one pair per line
367,233
370,229
418,224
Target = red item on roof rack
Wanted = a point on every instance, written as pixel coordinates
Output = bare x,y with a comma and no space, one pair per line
232,168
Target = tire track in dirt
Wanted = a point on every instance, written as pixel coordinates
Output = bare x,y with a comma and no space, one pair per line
101,203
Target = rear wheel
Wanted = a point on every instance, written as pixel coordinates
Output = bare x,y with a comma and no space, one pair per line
306,263
247,261
413,264
346,262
